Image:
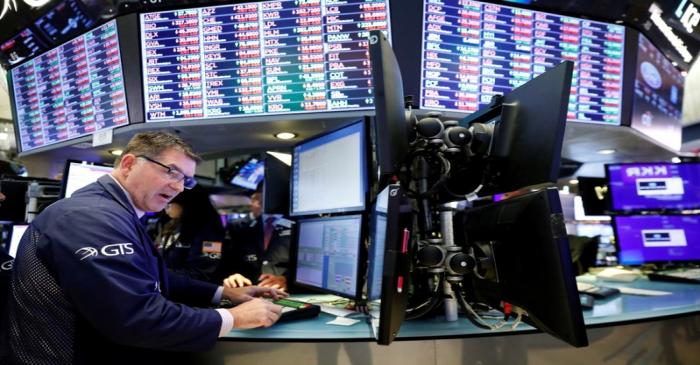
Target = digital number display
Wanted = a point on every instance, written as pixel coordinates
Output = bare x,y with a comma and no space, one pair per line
473,50
72,90
272,57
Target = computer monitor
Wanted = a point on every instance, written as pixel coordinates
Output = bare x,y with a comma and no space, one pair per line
388,265
654,186
526,237
527,138
473,50
594,195
17,232
329,255
657,238
250,174
78,174
276,186
390,122
329,172
258,58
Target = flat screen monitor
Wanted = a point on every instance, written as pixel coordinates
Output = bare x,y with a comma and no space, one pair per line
65,20
251,174
387,271
526,237
23,46
527,139
276,186
259,58
329,255
391,125
657,238
70,91
654,186
329,172
474,50
658,96
594,195
17,232
78,174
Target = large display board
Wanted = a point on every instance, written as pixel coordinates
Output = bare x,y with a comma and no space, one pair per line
658,96
473,50
70,91
259,58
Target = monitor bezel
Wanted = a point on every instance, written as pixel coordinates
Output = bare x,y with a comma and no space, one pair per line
365,150
361,257
661,263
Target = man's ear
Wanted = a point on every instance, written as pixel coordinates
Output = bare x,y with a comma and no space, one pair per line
127,162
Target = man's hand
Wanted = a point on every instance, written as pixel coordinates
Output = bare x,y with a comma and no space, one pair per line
272,281
255,313
236,281
247,293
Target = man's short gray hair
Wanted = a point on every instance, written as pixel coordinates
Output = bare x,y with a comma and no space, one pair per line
154,143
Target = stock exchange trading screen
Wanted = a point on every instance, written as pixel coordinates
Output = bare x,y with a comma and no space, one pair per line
473,50
70,91
272,57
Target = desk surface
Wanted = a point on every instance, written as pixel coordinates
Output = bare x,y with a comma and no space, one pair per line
619,309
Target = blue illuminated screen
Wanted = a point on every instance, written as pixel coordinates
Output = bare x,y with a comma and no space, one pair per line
328,254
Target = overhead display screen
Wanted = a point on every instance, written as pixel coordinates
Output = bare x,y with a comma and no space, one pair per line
71,91
658,96
272,57
474,50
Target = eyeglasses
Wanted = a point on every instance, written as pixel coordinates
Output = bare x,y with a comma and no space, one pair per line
174,174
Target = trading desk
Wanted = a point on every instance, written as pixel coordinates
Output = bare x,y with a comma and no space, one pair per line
621,329
618,309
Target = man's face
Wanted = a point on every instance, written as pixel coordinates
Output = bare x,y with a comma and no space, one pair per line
149,184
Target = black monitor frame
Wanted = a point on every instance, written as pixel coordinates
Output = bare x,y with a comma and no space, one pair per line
276,186
526,237
367,152
362,256
395,267
66,171
592,205
525,148
390,123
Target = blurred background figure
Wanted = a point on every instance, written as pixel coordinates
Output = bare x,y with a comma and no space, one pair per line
191,241
257,249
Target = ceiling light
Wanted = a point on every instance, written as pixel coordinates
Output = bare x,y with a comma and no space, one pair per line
285,135
607,151
116,152
676,159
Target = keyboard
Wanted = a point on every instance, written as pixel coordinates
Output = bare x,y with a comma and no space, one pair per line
677,275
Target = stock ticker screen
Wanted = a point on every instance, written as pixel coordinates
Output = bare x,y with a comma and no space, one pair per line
473,50
272,57
70,91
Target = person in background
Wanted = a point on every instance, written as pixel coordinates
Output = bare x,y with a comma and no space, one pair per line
89,287
191,242
258,247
